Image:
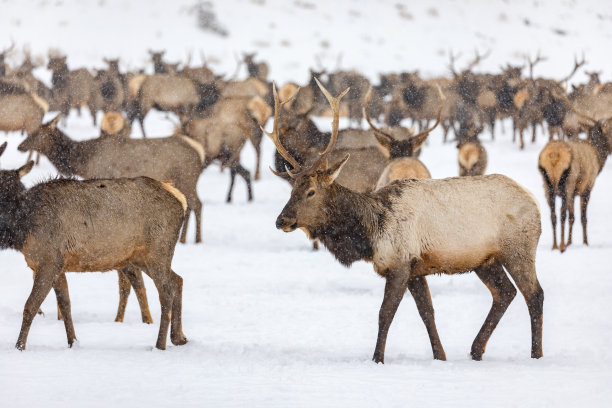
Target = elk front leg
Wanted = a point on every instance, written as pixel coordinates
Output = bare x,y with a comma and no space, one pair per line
420,293
43,282
394,292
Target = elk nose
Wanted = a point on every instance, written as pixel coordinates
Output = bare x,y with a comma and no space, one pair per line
279,222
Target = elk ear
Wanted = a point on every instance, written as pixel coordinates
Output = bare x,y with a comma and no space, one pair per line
25,169
55,121
3,147
332,173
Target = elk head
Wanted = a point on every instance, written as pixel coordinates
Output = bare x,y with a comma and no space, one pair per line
312,192
113,64
409,146
57,63
42,139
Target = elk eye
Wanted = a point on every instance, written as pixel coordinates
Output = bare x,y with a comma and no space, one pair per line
310,193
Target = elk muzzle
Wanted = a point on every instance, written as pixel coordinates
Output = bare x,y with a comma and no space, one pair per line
287,224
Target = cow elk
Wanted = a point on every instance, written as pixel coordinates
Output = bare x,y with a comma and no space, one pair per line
569,169
414,228
472,156
66,225
175,159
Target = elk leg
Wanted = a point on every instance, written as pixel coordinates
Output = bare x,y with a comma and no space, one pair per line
522,270
63,302
503,292
584,201
135,280
420,293
231,186
533,131
570,210
256,142
176,325
124,293
550,194
197,209
165,288
522,139
183,238
394,292
246,175
563,217
43,282
92,110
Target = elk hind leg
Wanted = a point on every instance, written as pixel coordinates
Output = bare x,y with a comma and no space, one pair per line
420,293
135,280
584,202
522,270
176,325
503,292
63,301
124,293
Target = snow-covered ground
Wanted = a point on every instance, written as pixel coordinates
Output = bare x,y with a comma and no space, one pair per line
270,322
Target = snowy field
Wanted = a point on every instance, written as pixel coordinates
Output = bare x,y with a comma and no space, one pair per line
270,322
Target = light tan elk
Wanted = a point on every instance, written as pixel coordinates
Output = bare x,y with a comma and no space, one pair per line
472,156
175,159
68,225
414,228
169,93
72,89
21,111
403,162
569,169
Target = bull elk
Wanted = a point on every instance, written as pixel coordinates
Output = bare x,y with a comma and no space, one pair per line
175,159
402,153
414,228
67,225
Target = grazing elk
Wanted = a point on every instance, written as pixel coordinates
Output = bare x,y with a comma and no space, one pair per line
569,169
67,225
175,159
414,228
72,89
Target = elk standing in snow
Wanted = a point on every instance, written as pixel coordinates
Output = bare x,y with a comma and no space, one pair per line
472,155
175,159
569,168
414,228
68,225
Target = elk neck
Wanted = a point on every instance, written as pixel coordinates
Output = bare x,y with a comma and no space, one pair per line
66,154
353,223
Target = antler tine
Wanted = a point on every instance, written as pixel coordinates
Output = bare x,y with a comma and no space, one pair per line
577,64
477,59
451,64
539,58
335,106
274,134
366,114
420,137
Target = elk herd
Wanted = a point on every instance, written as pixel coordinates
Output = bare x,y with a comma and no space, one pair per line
123,203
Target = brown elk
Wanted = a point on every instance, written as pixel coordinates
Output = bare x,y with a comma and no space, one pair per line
68,225
175,159
414,228
402,153
3,55
256,70
110,87
472,156
172,93
355,100
72,89
224,132
570,168
159,66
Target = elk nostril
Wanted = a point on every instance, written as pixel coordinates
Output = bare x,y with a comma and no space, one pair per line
279,222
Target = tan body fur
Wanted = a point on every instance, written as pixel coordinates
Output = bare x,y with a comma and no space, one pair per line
569,169
472,158
402,168
20,112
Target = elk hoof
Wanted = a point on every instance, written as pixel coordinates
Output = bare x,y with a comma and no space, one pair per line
180,341
476,355
378,358
19,346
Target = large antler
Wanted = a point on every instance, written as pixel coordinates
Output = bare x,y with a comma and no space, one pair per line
533,63
477,58
275,136
334,103
419,137
577,64
382,136
451,64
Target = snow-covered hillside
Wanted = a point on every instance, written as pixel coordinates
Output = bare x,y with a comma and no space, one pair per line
270,322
